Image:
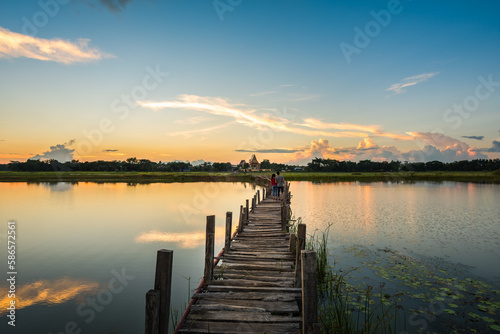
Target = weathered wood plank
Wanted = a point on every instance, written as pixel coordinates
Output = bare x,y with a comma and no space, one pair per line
263,296
250,283
238,316
275,307
214,288
215,327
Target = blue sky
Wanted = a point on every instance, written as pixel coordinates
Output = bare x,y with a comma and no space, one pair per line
240,77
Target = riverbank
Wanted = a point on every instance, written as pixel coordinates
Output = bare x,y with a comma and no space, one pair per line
149,177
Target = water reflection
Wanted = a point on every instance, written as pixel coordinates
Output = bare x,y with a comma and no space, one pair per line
187,240
48,292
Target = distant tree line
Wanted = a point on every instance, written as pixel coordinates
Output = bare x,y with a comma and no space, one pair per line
329,165
316,165
129,165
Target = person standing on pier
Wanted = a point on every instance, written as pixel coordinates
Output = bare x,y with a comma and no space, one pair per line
280,181
274,186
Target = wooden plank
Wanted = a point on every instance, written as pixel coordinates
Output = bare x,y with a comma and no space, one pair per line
249,283
275,307
262,296
236,316
215,327
253,289
220,272
245,275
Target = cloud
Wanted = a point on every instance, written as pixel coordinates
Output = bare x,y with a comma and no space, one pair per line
190,133
474,137
363,130
262,121
115,5
445,149
268,92
411,81
15,45
495,148
272,150
58,152
192,120
318,149
110,150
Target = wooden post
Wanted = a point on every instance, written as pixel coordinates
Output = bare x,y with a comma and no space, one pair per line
287,212
229,227
163,283
264,193
258,196
209,251
293,243
247,213
301,245
152,311
242,219
253,204
309,293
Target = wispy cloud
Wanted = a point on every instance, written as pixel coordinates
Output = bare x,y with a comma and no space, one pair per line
272,150
15,45
267,92
190,133
110,150
250,117
192,120
474,137
411,81
363,130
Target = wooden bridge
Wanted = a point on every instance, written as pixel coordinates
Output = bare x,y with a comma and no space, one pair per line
259,282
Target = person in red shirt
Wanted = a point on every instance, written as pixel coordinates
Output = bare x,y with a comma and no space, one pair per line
274,185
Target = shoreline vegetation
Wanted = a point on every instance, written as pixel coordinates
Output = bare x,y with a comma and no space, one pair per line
154,177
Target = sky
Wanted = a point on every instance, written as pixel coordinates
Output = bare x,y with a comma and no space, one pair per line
221,80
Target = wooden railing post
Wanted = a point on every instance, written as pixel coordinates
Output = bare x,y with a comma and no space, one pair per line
163,284
253,204
209,251
242,219
309,293
301,245
229,227
258,196
247,213
152,312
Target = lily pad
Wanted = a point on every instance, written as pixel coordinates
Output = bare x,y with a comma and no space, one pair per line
495,327
447,310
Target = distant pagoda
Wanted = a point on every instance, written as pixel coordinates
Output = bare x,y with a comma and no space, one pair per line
254,163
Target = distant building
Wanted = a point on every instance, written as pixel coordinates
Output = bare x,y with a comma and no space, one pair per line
254,164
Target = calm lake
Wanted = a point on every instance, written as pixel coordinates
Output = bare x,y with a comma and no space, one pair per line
86,252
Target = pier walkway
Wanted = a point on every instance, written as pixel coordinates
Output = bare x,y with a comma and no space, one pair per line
253,288
262,281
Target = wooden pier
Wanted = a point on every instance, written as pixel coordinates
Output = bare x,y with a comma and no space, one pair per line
261,282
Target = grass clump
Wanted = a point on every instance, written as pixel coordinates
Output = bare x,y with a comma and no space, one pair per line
344,308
